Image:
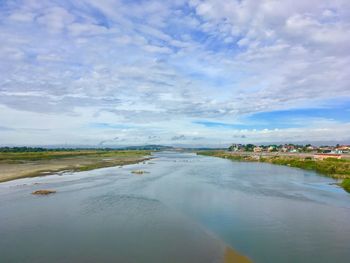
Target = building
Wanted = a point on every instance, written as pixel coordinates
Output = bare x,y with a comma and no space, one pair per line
311,148
271,149
257,149
343,148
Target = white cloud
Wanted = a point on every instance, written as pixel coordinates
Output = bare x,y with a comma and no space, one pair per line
159,65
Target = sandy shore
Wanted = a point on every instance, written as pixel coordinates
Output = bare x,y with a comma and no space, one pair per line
21,168
232,256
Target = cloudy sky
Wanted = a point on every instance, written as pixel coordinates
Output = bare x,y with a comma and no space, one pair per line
211,72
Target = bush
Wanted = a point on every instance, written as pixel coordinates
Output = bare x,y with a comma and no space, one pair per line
346,184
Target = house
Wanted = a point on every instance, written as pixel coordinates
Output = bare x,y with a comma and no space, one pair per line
311,148
326,149
288,148
284,149
343,148
337,151
257,149
271,148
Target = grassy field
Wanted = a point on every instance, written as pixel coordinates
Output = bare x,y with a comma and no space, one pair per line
14,165
338,169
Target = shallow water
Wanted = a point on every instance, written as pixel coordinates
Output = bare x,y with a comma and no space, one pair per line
186,209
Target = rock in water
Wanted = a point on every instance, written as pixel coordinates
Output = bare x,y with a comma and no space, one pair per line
138,172
43,192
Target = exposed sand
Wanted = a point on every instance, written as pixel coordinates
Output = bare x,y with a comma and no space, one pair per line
232,256
11,171
44,192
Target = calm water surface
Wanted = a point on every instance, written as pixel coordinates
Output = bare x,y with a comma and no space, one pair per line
188,208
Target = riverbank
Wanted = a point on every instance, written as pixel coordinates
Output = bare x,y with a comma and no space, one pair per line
15,165
232,256
338,169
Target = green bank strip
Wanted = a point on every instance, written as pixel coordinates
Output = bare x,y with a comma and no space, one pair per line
346,184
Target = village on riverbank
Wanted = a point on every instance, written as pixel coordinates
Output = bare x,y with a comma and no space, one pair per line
292,150
332,151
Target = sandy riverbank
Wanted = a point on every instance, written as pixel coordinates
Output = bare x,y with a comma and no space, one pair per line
21,165
232,256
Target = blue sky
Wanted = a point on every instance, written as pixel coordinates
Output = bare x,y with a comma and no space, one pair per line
206,73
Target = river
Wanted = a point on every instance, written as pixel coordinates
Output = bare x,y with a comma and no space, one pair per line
186,208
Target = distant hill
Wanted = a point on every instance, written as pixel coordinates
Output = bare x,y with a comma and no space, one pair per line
77,148
148,147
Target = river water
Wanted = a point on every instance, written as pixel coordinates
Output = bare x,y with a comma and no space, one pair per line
186,208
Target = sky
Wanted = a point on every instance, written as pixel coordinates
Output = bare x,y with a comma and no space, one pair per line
190,73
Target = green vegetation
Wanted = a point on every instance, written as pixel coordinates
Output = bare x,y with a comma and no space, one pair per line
47,155
335,168
249,147
41,149
346,184
331,167
225,155
33,149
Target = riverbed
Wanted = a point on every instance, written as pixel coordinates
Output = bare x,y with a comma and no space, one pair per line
185,208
